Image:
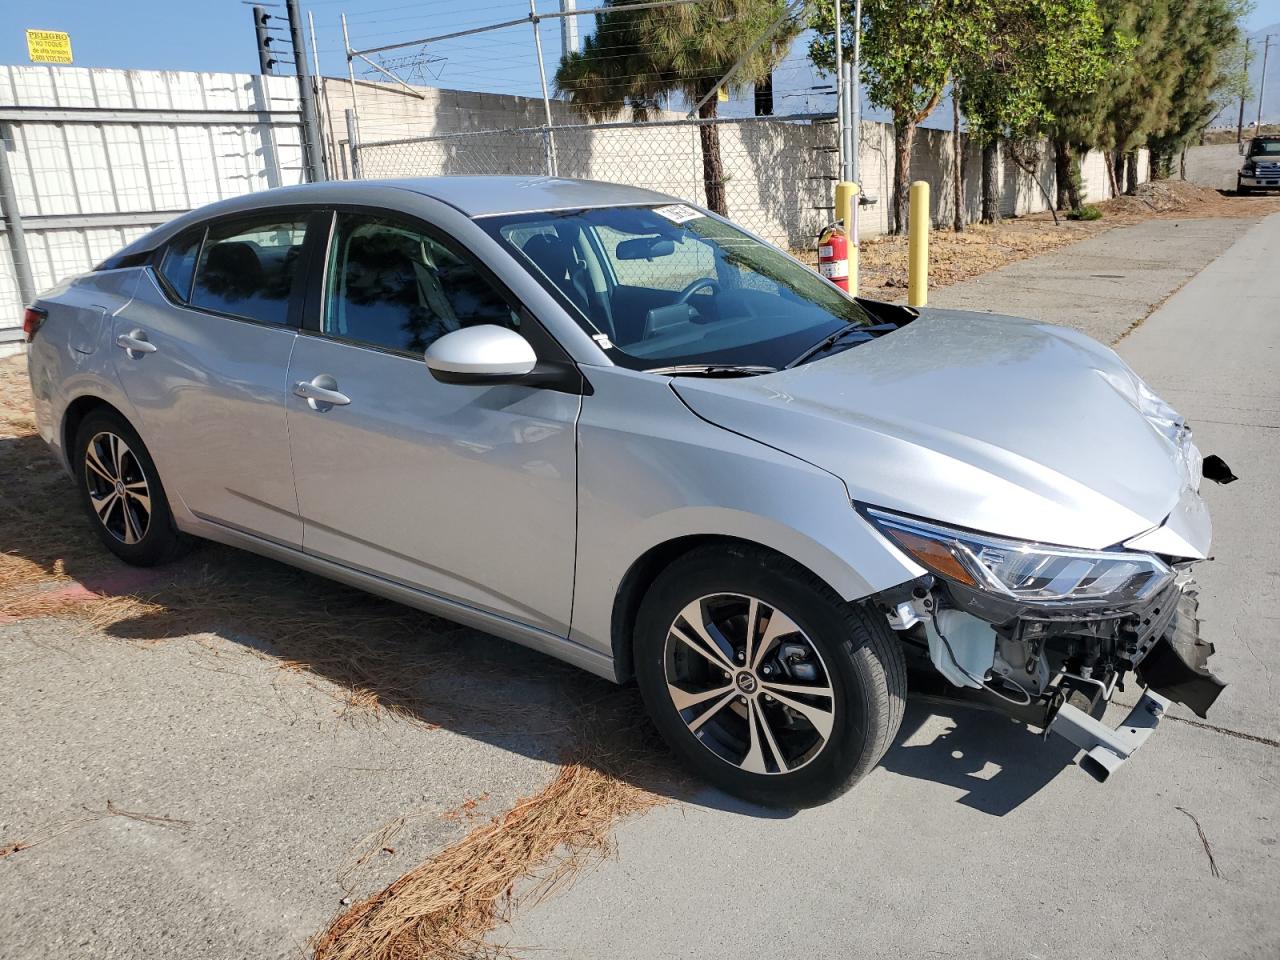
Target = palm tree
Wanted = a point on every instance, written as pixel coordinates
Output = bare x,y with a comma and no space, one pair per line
641,59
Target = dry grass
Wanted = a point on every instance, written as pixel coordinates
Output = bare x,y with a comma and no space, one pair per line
445,908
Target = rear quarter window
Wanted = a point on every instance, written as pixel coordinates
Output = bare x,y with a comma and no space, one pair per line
178,264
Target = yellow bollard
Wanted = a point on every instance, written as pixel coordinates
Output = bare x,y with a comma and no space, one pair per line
918,246
847,212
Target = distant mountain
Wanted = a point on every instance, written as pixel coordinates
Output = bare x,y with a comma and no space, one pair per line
1271,95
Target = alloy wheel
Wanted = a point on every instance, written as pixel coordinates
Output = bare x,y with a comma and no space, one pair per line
749,683
118,489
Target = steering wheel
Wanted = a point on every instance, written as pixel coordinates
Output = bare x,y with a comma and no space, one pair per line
695,286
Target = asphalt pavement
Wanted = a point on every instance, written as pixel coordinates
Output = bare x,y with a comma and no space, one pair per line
974,838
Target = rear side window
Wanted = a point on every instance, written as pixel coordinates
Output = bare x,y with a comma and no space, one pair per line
246,269
178,265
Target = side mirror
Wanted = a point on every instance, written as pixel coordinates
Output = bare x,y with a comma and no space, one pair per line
481,354
1241,148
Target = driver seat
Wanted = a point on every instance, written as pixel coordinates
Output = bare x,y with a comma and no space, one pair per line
555,258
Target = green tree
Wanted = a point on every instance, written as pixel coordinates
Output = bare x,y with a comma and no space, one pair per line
642,59
1016,57
1080,120
1206,43
907,52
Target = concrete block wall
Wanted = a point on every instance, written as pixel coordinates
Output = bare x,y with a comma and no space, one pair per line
779,175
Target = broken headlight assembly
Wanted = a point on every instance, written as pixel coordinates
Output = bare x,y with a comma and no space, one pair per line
1026,573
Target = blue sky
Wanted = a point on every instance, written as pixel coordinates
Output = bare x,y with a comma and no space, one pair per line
218,35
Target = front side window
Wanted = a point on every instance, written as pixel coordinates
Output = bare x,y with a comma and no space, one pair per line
246,268
669,286
392,286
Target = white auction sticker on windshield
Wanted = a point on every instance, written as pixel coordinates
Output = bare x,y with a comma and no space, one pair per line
677,213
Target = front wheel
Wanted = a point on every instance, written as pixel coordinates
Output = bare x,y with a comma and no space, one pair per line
764,681
1241,189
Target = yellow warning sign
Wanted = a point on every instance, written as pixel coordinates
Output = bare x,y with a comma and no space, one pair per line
49,46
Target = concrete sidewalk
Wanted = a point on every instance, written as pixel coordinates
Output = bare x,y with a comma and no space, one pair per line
1103,285
973,839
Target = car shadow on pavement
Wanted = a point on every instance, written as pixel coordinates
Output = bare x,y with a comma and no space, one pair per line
379,659
996,760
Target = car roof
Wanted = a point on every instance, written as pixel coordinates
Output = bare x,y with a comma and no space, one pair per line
487,196
473,196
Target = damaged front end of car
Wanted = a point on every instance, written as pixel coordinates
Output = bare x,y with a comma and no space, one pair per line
1050,633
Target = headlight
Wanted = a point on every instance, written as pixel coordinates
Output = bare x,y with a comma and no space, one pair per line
1023,571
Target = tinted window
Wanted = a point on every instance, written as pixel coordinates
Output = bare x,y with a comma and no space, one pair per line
246,269
393,287
178,265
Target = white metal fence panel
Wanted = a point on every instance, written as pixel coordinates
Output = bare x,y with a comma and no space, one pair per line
99,156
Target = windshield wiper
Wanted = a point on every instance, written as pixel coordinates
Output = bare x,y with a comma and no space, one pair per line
829,341
712,370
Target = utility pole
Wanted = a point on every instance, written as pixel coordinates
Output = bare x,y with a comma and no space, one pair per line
855,99
311,148
1262,84
842,116
1244,89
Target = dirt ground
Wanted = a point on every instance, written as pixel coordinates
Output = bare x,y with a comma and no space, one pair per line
980,248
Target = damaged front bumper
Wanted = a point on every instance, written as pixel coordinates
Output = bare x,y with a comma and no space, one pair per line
1058,673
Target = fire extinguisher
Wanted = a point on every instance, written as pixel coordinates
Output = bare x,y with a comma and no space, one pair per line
833,256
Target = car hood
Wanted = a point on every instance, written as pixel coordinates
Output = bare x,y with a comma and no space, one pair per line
992,423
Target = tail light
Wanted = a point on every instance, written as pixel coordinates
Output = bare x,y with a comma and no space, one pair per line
32,318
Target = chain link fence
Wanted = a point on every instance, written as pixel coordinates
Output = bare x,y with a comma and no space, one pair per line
777,171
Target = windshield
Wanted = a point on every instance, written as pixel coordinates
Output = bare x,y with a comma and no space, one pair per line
668,285
1264,148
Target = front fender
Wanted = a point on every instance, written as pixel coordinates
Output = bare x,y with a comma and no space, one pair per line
650,472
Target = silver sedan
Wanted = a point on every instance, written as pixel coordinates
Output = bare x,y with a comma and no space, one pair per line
621,430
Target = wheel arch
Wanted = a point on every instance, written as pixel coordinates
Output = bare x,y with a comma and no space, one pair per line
74,415
645,569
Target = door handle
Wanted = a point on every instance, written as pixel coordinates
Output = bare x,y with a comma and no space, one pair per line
321,393
135,343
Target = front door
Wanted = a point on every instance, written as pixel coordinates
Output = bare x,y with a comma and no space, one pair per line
467,492
202,352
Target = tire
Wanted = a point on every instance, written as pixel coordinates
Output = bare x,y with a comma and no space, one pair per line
118,510
1242,190
749,742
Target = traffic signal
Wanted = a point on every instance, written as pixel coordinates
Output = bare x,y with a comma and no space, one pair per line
265,60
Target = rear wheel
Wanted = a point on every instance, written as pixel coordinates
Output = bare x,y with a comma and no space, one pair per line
763,681
121,492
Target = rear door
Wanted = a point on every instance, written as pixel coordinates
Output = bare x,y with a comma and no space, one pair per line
203,353
464,491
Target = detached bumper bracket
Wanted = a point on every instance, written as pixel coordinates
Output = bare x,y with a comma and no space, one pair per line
1106,749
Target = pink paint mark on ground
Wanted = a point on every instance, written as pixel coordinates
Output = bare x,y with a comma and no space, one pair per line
114,584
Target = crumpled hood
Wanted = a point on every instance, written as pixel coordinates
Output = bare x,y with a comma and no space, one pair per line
993,423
